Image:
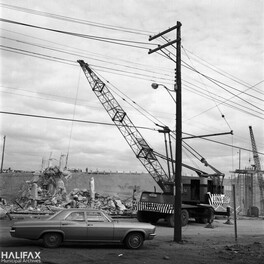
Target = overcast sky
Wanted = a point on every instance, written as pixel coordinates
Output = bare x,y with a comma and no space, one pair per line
222,79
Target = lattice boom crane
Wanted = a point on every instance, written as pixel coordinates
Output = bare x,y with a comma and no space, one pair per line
131,134
155,205
258,167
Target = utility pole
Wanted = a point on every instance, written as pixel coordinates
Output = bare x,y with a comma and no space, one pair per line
239,159
178,168
3,155
178,146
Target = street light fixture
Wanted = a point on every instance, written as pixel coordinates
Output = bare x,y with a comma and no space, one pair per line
156,85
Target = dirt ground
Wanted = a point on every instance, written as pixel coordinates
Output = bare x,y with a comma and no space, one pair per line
200,245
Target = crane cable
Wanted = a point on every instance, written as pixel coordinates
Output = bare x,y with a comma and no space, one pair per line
186,146
73,118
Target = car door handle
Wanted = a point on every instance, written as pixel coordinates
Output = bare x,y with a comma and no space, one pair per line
64,223
89,224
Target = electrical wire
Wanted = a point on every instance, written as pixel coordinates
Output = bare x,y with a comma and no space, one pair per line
75,20
68,119
100,60
73,63
37,55
111,69
220,71
217,106
92,37
236,106
141,43
133,103
216,82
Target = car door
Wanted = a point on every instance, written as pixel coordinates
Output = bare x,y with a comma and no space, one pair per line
99,228
74,227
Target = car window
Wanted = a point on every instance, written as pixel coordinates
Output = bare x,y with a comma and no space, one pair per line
95,217
76,216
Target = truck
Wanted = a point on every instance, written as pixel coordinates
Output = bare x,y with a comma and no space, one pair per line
153,206
195,203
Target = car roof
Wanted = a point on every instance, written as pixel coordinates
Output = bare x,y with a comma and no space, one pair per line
80,210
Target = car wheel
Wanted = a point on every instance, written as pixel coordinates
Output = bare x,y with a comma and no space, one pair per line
134,240
52,240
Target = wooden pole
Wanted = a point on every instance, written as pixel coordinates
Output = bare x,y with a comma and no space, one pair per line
235,216
3,155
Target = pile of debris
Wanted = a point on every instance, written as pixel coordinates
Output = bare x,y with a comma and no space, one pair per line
110,204
46,194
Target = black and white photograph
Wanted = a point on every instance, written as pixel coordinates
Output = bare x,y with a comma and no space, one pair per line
132,131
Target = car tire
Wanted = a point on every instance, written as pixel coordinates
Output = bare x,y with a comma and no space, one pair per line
134,240
52,240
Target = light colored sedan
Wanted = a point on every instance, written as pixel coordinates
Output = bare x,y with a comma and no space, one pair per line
83,225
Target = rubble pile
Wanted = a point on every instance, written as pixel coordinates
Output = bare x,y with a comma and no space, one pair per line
110,204
46,194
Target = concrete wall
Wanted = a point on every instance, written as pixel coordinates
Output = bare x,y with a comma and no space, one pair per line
11,184
113,184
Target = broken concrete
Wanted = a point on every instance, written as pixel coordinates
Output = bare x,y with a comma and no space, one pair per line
45,193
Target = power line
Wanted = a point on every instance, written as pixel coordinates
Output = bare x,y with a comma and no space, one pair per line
224,101
100,60
216,82
68,119
104,56
252,104
75,20
122,42
220,71
107,62
56,59
106,69
210,94
133,103
37,55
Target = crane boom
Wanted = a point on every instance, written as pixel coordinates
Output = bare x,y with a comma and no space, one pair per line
128,130
258,167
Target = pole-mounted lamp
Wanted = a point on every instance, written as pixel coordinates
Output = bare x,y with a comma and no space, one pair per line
156,86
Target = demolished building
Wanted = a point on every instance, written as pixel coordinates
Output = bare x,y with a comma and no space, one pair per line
45,193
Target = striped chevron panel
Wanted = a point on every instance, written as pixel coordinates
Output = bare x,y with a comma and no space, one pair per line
155,207
218,199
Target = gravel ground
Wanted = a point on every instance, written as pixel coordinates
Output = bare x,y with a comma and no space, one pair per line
200,245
